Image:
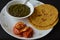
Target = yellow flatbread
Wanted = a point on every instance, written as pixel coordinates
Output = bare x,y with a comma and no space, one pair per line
44,15
46,27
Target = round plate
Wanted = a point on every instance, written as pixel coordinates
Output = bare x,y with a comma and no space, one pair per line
7,24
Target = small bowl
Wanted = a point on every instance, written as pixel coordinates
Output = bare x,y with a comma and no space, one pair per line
19,2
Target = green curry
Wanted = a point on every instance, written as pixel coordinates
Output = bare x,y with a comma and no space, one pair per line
19,10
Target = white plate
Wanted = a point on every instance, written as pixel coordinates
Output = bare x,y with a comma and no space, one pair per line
7,24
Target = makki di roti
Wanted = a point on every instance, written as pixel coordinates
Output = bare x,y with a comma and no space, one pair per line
44,15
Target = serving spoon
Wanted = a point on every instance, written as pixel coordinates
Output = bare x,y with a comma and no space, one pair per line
26,1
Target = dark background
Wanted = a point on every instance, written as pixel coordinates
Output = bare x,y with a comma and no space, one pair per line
53,35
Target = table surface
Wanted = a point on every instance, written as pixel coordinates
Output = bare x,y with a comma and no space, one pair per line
53,35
